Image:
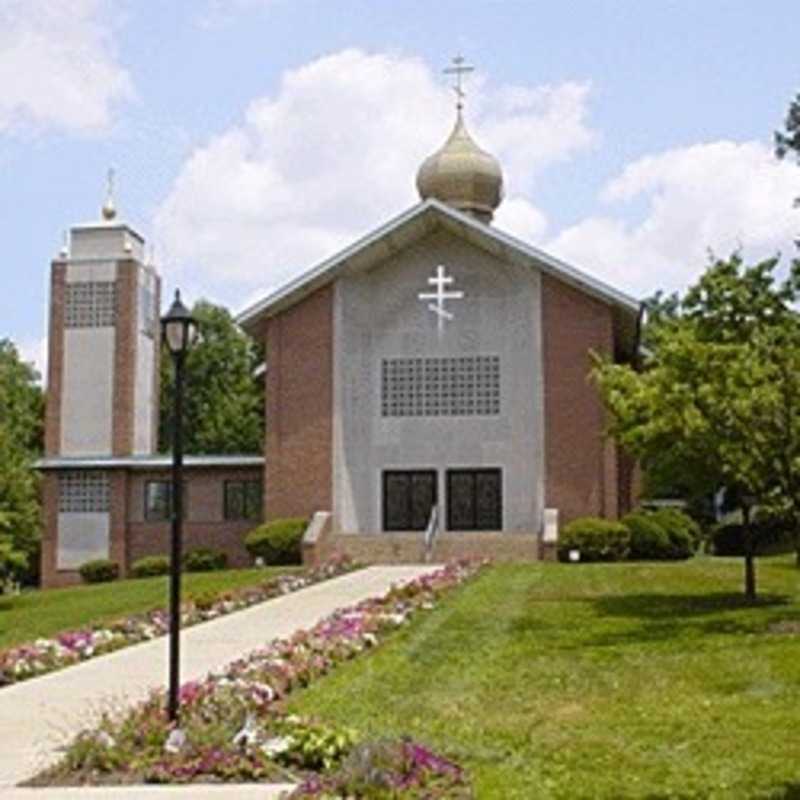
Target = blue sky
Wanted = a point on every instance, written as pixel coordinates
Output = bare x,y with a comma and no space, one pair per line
252,138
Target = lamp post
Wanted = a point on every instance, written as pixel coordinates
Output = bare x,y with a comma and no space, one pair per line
178,329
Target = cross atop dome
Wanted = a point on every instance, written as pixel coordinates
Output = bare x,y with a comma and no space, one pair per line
458,70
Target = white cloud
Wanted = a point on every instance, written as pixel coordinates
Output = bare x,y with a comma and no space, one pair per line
57,66
335,152
34,351
719,196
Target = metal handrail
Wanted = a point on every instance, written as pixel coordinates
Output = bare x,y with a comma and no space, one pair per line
431,532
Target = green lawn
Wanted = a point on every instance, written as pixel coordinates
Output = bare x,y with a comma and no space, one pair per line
595,681
45,613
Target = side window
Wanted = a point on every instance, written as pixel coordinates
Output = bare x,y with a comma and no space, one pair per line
158,501
242,500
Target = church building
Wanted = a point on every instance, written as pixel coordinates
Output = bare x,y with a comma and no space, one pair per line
428,382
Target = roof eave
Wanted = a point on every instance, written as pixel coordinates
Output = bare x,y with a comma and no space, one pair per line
326,271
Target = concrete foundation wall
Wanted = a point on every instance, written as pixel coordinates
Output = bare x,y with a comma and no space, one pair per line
408,548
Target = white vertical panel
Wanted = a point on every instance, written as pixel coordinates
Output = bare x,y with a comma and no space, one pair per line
144,395
81,538
87,391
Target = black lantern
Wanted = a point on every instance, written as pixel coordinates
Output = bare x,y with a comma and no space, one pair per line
178,330
178,327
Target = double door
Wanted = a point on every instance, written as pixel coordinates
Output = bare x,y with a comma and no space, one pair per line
474,499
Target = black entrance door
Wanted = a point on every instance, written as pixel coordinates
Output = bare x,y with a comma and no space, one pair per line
474,500
408,496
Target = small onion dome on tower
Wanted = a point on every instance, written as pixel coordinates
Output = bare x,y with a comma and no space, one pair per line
462,175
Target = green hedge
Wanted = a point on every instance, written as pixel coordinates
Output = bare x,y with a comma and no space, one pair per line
277,542
204,559
100,570
771,537
596,539
649,540
684,532
666,534
149,566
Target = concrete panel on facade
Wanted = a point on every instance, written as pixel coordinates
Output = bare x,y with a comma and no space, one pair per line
144,395
377,315
87,391
105,241
81,538
99,269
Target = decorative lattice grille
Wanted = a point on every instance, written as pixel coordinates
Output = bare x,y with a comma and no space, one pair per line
90,304
440,387
83,492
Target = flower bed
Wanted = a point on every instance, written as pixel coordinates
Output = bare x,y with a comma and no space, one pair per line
234,728
46,655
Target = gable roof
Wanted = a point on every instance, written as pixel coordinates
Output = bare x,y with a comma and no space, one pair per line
411,225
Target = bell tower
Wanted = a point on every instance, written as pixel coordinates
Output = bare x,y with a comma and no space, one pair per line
102,398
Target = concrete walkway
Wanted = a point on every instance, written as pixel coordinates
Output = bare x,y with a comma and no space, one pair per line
40,715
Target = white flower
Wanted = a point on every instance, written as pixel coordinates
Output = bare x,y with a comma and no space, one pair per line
277,745
371,639
176,741
248,734
105,739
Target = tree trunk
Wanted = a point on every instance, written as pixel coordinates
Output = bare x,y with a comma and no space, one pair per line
749,558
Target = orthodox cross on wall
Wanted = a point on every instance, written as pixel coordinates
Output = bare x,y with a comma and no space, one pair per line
441,294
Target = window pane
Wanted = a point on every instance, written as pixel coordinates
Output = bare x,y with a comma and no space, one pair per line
460,501
157,500
488,512
396,501
234,500
252,501
423,497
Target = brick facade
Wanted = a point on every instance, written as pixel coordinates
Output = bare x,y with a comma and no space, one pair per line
299,408
581,465
55,361
132,537
204,525
125,358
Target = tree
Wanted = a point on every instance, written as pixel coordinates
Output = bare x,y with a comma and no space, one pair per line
720,389
224,400
21,430
788,140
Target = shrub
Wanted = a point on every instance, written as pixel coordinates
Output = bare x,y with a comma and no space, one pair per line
649,541
597,539
771,537
204,559
204,601
149,566
277,542
101,570
679,527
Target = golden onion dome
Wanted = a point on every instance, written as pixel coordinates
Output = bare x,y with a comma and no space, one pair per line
462,175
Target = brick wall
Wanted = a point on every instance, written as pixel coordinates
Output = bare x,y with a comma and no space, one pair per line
581,466
125,358
204,522
132,537
299,408
55,360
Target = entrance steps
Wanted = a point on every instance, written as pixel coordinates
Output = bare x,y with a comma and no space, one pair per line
409,548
